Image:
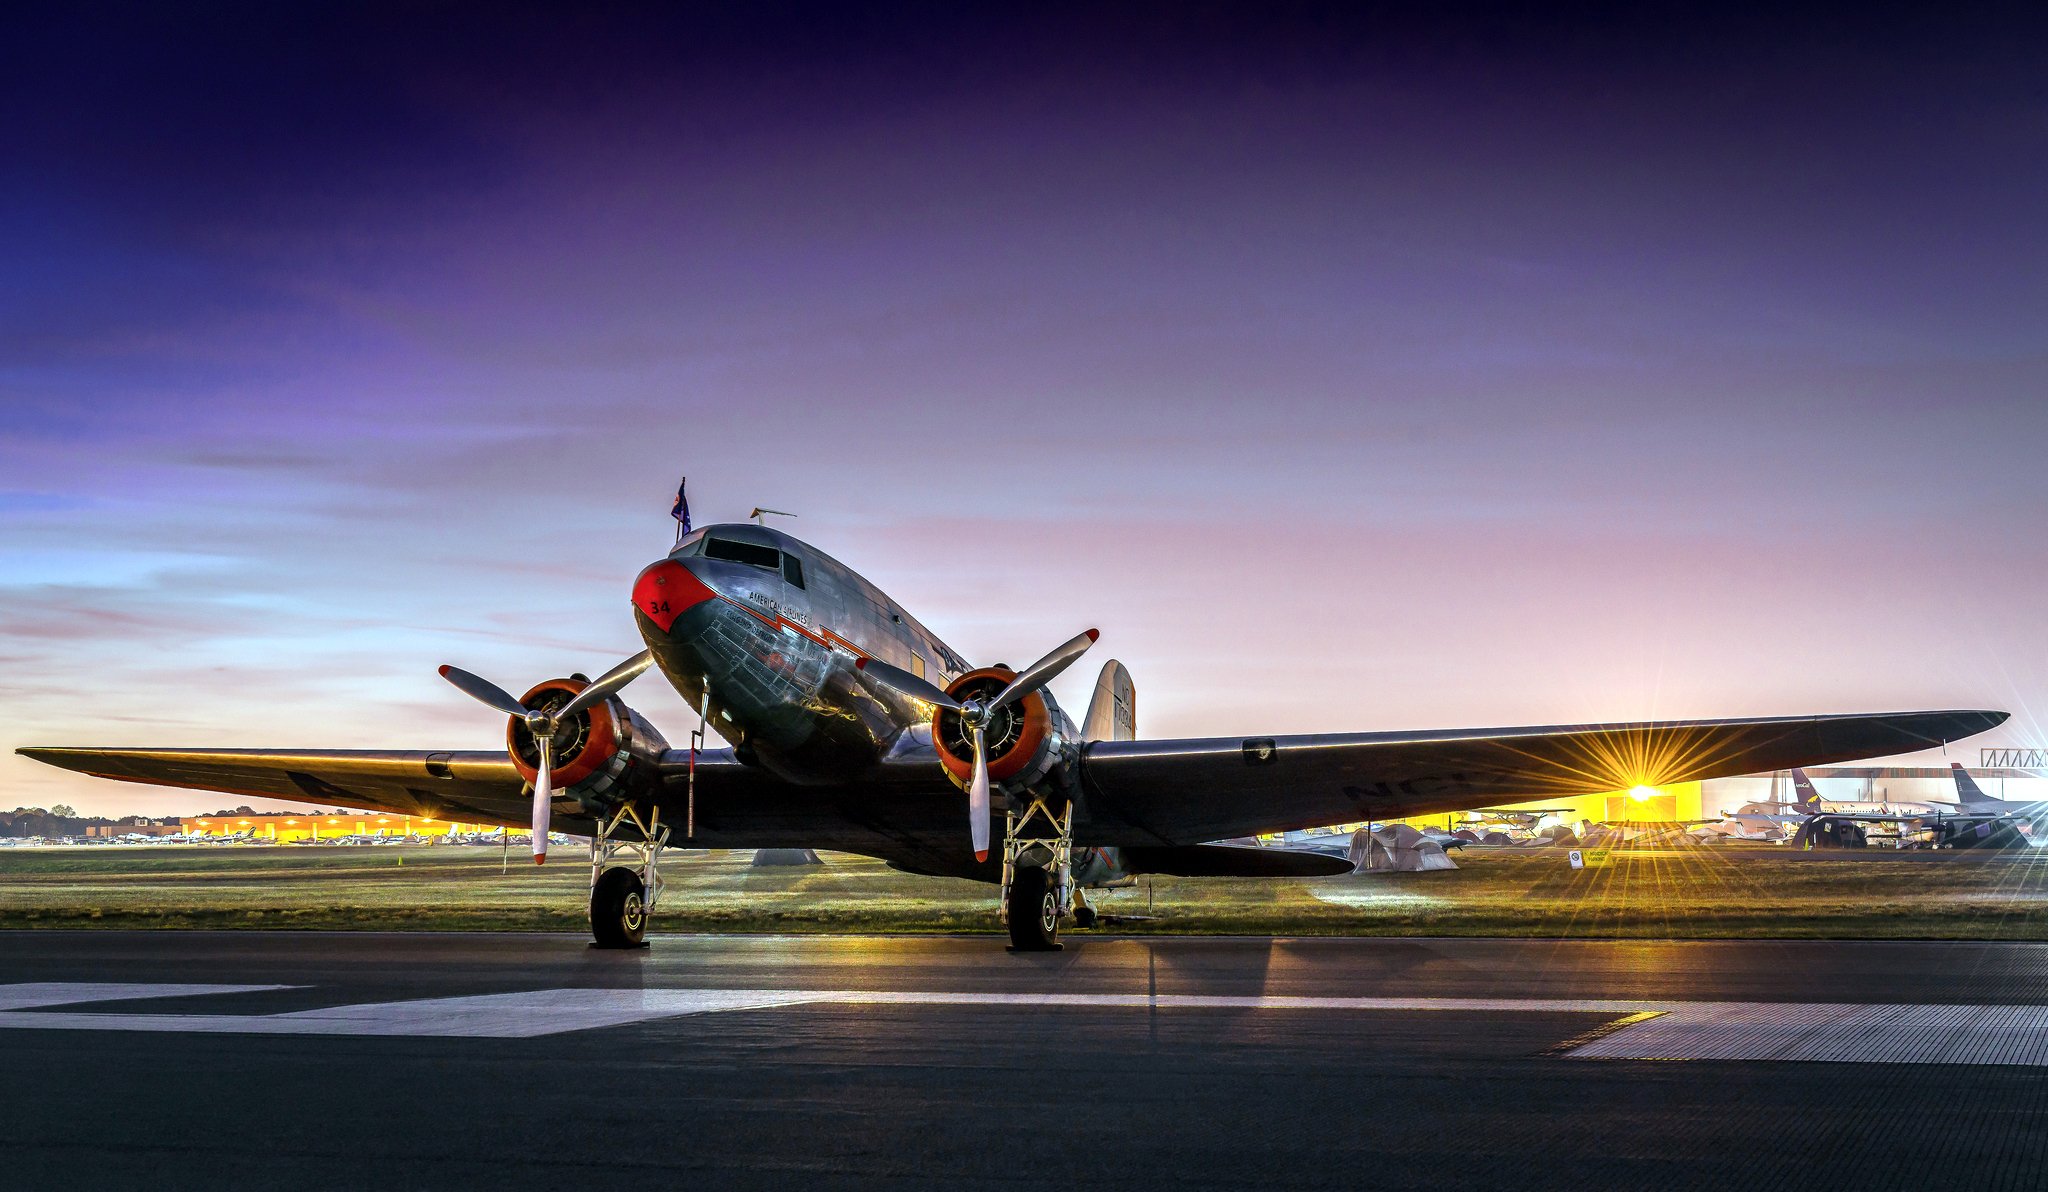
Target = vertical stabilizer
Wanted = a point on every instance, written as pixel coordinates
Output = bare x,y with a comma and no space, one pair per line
1807,797
1113,712
1967,790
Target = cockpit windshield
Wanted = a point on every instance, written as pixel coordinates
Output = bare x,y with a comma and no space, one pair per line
750,553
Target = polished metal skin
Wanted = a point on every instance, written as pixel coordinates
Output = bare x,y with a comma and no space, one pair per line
785,655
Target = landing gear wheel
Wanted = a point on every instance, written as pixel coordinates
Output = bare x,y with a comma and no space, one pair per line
1034,912
618,910
1084,916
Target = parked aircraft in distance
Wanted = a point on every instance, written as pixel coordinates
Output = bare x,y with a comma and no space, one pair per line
1975,819
853,727
1771,820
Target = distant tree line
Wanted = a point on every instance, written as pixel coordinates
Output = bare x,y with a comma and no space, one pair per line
63,820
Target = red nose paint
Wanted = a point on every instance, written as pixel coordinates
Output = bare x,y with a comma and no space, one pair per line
666,591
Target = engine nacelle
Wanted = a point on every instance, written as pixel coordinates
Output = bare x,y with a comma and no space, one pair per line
603,756
1024,739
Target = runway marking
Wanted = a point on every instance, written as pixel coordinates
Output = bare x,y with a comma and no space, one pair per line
31,994
1599,1032
557,1011
1843,1033
1831,1033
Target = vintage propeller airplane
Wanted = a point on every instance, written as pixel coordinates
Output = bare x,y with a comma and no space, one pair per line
855,728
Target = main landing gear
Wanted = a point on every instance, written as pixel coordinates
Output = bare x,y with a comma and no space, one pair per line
1038,882
623,895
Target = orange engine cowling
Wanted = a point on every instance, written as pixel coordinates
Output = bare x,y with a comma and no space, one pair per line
1020,739
604,756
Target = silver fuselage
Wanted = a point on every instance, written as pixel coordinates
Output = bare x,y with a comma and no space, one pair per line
768,651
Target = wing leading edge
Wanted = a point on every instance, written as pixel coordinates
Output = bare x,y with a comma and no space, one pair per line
1188,791
445,785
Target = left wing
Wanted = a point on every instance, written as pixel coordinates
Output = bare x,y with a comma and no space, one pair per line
451,785
904,811
1185,792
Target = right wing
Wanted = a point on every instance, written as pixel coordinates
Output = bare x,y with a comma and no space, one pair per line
1189,791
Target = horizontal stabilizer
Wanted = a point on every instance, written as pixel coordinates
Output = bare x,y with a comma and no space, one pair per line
1229,860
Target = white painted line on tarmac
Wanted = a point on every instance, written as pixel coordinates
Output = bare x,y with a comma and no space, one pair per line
556,1011
1828,1032
526,1015
28,995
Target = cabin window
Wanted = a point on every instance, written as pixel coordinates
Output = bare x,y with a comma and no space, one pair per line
793,570
917,665
742,552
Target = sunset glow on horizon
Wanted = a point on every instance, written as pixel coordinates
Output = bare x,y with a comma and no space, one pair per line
1418,375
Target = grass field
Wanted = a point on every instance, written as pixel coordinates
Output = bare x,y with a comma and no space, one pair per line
1695,893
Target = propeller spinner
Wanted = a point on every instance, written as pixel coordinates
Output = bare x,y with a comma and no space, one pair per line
977,713
543,723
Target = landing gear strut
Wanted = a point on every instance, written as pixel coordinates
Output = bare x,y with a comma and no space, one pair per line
623,895
1038,882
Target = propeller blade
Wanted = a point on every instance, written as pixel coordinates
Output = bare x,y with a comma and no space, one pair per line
905,682
543,799
1039,673
977,800
607,684
484,691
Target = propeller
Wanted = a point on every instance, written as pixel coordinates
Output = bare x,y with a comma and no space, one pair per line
543,724
976,714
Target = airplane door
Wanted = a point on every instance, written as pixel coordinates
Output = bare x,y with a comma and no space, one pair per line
796,598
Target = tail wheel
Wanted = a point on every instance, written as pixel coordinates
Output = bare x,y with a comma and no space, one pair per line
1034,912
618,909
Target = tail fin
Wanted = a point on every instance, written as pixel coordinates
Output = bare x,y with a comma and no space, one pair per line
1113,712
1809,798
1967,790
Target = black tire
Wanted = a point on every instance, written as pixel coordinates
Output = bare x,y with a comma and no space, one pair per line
1084,916
1034,912
618,909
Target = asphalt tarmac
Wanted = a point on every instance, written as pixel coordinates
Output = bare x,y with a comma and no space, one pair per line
173,1059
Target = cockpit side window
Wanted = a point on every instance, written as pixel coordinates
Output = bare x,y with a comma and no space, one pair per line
743,552
793,570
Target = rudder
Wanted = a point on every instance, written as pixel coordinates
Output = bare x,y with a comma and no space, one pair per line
1967,790
1113,711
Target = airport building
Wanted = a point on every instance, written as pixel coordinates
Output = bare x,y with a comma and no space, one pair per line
285,827
1687,802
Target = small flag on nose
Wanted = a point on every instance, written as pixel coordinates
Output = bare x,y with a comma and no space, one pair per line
681,511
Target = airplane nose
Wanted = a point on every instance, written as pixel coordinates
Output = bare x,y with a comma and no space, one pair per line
667,590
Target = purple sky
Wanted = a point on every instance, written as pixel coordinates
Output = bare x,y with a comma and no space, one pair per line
1351,372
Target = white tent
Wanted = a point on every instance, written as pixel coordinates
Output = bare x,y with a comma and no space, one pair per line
1396,848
